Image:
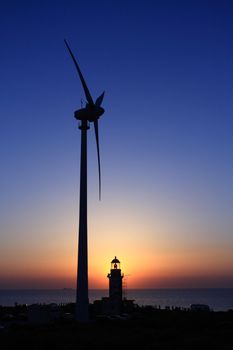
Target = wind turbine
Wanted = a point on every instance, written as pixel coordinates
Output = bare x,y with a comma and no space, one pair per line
89,114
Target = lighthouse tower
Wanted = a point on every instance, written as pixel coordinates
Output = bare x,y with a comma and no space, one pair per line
115,286
114,304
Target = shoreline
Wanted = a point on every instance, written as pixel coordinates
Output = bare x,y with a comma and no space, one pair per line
219,299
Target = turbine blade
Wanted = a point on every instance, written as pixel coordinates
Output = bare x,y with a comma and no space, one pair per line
99,100
98,153
85,88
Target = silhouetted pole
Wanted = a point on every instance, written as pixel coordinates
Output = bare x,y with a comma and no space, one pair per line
82,301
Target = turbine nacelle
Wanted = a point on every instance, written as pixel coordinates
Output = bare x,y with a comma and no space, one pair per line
90,113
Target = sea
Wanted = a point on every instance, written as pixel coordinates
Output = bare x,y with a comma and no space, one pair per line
218,299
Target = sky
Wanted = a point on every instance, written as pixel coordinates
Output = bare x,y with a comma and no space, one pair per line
165,140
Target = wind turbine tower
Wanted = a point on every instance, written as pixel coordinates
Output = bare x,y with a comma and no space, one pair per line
89,114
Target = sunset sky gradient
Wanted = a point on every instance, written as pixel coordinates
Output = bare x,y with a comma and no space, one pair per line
166,142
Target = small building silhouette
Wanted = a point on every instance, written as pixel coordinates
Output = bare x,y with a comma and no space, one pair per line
44,313
114,304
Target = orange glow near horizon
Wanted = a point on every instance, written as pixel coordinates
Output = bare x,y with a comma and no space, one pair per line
153,253
143,268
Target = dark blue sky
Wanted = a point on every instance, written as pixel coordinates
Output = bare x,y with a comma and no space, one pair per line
166,137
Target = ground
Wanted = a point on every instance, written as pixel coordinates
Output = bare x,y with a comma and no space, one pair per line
147,328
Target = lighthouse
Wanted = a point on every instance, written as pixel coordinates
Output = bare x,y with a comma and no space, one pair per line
114,304
115,286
